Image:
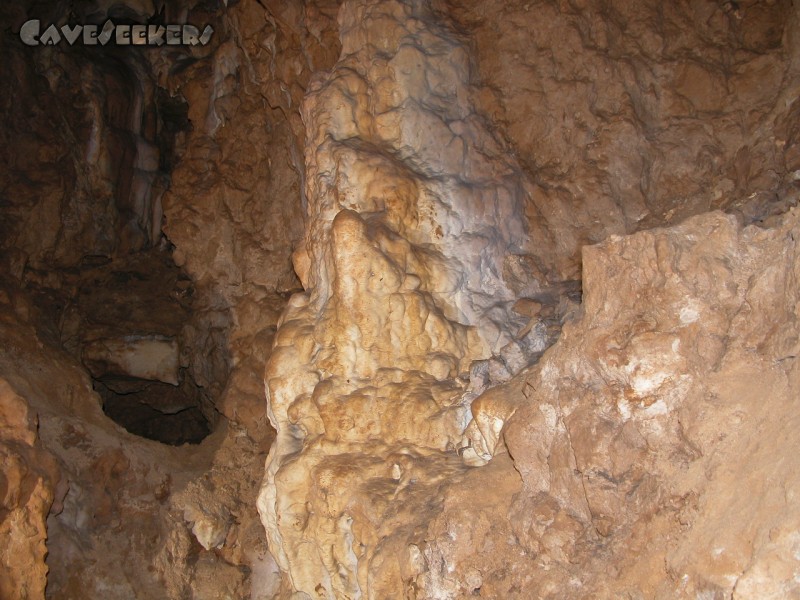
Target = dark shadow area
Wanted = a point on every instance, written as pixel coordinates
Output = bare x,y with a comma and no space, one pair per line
154,410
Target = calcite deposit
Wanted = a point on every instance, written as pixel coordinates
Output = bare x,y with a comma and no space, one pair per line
93,138
424,233
412,207
29,479
413,299
630,461
628,115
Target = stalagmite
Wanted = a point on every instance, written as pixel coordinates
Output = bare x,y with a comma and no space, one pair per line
413,207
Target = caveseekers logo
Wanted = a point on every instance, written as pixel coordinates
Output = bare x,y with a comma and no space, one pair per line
123,35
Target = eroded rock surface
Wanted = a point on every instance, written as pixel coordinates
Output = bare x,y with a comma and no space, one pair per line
93,137
29,479
130,517
413,210
646,454
629,115
639,438
428,257
428,172
234,206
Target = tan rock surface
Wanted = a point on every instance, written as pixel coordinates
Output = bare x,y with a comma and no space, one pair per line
29,480
132,516
412,206
233,209
628,115
426,254
647,454
428,173
653,440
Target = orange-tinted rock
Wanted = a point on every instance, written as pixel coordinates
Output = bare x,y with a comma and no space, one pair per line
28,481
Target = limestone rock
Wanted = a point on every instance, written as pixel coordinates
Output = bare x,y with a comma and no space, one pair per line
234,205
642,433
412,206
428,173
29,477
426,245
209,529
144,357
117,526
630,114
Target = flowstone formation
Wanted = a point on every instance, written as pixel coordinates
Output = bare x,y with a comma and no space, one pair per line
157,211
427,255
412,207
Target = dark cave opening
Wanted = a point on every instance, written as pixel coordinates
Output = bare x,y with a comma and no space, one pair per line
173,415
132,322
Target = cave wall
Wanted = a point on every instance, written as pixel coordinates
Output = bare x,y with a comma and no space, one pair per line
629,115
387,203
435,240
80,145
234,207
94,137
629,457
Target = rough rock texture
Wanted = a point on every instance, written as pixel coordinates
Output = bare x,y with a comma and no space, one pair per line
652,440
428,255
91,140
132,518
83,177
29,478
628,115
234,208
428,172
411,211
646,455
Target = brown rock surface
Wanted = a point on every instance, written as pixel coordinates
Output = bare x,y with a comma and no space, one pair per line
428,173
92,138
29,479
412,208
652,439
646,455
420,270
133,518
627,115
233,209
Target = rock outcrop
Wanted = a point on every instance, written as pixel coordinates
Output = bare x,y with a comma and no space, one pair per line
29,479
126,517
413,206
233,210
647,454
428,255
92,140
628,115
513,348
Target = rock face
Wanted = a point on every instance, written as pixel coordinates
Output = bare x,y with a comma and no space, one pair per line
642,434
83,174
130,517
427,245
623,463
29,480
92,139
233,209
629,115
412,207
430,174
